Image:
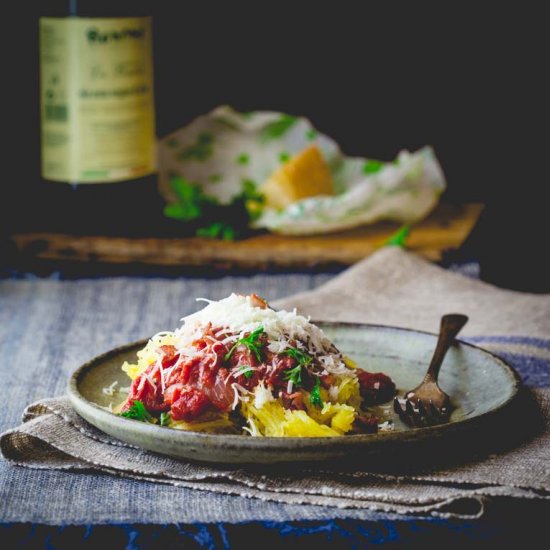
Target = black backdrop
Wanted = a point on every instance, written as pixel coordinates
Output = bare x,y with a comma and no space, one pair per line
469,82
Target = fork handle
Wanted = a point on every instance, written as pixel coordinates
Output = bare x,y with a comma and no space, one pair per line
451,325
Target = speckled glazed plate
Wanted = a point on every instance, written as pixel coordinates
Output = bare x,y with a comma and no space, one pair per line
480,385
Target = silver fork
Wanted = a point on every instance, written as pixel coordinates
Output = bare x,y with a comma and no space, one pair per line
428,404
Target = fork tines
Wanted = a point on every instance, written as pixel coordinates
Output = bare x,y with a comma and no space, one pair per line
417,414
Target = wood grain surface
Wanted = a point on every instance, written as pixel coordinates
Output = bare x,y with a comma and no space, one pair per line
446,228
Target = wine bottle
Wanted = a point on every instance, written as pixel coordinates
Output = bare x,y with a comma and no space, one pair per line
97,117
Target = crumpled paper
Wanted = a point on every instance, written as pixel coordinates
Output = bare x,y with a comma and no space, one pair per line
225,150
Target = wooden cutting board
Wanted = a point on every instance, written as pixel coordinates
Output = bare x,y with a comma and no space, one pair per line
446,228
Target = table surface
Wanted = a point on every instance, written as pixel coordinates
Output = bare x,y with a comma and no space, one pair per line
51,326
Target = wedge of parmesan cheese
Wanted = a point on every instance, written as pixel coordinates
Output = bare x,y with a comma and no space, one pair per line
304,175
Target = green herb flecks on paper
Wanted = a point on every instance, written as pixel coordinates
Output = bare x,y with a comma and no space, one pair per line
243,159
201,150
366,190
284,157
311,135
278,128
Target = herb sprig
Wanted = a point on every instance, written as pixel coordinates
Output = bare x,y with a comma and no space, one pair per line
303,359
191,201
137,412
399,238
246,371
315,395
217,230
252,342
164,418
218,221
294,375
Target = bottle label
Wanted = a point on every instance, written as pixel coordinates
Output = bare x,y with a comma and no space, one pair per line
97,110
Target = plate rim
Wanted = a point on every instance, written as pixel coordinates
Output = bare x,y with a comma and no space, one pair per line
301,443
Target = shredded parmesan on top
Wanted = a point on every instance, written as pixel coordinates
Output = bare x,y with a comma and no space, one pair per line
237,316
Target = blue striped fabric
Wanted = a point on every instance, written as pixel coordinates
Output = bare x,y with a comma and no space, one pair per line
529,356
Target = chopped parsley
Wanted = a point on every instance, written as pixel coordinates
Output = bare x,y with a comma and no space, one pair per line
303,360
251,199
217,230
311,134
164,418
284,157
294,375
243,159
315,395
246,371
200,150
190,200
252,342
399,237
278,128
301,357
137,412
217,221
372,166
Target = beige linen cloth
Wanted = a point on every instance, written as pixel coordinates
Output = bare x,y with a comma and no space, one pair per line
391,287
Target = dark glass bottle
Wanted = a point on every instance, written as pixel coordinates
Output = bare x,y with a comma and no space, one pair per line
97,118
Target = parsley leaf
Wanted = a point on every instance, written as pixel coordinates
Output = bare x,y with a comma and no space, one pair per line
294,375
302,358
278,128
399,237
372,166
315,395
164,418
227,222
246,373
243,159
251,199
252,342
190,200
284,157
200,150
137,412
311,134
217,230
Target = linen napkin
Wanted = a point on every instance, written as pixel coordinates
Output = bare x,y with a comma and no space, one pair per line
391,287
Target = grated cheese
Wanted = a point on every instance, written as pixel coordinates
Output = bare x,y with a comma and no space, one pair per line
386,426
237,316
110,390
262,395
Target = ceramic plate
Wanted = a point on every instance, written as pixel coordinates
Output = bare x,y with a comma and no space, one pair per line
479,384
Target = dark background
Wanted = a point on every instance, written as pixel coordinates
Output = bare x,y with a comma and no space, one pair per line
467,81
